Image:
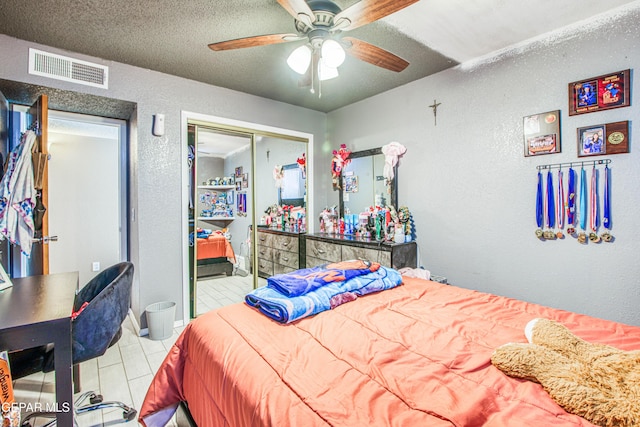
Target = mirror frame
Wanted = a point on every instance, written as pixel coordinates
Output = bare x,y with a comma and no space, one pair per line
393,197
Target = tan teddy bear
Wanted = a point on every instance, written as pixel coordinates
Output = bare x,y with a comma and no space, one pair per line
597,382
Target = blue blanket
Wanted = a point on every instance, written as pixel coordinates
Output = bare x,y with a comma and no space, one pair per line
285,309
301,282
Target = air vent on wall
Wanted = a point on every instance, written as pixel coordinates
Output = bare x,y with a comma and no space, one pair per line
68,69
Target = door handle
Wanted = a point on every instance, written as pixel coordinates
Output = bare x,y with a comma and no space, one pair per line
46,239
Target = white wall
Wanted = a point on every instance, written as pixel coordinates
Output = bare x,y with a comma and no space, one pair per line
83,209
156,163
472,191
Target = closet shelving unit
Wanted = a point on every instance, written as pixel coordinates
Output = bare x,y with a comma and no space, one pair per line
217,188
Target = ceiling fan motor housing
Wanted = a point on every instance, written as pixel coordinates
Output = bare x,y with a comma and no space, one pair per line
324,11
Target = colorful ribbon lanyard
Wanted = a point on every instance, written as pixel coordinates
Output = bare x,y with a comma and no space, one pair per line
582,215
594,217
571,199
539,211
551,209
560,202
606,218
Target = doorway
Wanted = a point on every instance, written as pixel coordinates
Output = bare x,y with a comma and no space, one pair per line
87,193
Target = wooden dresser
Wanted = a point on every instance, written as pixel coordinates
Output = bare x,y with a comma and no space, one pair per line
323,248
279,251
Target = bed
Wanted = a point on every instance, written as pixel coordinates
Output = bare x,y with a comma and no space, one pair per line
415,355
215,255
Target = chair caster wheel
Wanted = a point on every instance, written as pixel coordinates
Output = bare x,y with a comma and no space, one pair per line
95,398
130,414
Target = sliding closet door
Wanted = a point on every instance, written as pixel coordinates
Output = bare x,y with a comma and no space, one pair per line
221,216
5,246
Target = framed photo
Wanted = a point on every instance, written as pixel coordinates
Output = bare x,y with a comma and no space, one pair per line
591,141
351,184
238,171
598,140
600,93
245,180
238,185
542,133
5,281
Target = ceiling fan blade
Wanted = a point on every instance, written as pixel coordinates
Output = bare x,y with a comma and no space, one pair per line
366,11
254,41
374,55
297,8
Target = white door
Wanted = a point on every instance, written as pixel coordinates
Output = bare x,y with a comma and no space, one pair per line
87,193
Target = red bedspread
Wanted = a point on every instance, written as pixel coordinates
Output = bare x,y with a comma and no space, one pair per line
415,355
215,246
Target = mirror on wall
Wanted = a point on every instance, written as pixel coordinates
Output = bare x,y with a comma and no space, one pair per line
364,185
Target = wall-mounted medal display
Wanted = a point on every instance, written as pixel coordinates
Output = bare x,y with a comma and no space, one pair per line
600,93
580,207
599,140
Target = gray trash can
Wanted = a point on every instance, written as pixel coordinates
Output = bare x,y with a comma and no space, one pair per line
160,316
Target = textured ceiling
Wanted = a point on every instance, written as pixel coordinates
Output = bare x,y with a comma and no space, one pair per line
172,37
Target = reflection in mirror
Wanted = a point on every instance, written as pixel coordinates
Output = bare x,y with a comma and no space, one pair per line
220,214
281,202
281,179
293,189
364,184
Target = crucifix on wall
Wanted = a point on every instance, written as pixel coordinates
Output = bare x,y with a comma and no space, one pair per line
434,107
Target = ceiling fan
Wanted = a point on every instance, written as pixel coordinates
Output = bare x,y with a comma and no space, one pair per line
322,23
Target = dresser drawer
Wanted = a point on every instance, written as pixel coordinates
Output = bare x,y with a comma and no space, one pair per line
314,262
265,268
289,259
264,239
265,253
373,255
330,252
284,243
281,269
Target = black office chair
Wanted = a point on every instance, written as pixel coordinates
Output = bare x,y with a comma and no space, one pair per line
101,307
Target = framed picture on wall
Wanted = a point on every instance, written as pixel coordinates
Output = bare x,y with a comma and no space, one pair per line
599,93
238,172
245,180
542,133
598,140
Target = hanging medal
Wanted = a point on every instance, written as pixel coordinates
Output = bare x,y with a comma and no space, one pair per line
551,210
560,206
594,216
539,209
606,217
571,203
582,214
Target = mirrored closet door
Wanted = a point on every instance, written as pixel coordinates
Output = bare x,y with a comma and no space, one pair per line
220,216
246,186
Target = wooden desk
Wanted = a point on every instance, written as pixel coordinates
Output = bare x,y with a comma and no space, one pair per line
35,311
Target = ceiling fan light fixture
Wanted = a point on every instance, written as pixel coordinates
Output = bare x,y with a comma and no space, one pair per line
325,72
333,54
300,59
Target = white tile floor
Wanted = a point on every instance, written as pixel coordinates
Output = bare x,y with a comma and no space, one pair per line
125,371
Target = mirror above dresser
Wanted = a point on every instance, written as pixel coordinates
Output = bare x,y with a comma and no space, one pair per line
364,185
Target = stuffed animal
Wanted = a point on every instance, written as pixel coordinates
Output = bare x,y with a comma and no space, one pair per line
595,381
